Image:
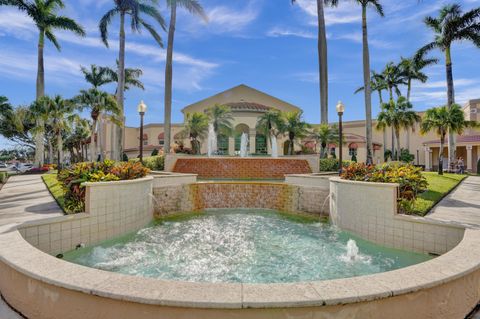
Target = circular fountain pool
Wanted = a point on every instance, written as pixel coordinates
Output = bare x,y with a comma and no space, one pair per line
248,246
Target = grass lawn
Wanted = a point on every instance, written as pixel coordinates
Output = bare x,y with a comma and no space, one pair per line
50,179
438,187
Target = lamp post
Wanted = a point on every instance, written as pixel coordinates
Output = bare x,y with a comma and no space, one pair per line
142,108
340,110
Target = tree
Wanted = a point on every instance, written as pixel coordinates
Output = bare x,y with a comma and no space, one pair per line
294,127
384,121
132,77
442,120
44,14
39,113
411,69
99,103
366,72
194,7
393,77
196,126
269,123
324,135
75,140
15,125
135,9
221,117
450,26
323,57
96,76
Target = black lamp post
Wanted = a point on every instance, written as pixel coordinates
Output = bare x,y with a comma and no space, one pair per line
340,110
142,108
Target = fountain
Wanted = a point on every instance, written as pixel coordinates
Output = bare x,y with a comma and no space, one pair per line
352,250
244,145
211,141
273,140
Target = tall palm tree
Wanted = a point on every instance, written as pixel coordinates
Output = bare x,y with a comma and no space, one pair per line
294,127
375,4
384,121
269,123
196,126
132,77
221,117
442,120
393,77
412,67
324,135
99,103
323,57
96,76
62,116
75,138
450,26
39,113
135,9
44,14
194,7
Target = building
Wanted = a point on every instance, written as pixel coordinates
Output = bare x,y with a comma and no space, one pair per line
248,104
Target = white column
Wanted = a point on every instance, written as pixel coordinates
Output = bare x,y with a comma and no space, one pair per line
428,165
231,146
469,158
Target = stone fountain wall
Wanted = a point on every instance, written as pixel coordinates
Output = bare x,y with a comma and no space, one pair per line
278,196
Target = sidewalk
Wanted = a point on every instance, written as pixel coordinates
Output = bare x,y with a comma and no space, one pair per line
462,205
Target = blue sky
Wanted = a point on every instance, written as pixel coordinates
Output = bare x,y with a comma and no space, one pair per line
267,44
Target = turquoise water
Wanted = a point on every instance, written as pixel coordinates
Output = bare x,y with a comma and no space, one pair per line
250,246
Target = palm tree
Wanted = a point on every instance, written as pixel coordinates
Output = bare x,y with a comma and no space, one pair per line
269,123
44,14
377,84
322,57
397,115
324,135
393,78
96,76
366,72
62,116
75,140
132,77
134,8
196,126
411,69
294,127
450,26
99,103
39,113
444,119
221,117
194,7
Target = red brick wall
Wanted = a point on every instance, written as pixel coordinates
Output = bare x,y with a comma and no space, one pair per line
242,168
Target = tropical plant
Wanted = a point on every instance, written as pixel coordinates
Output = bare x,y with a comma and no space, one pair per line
221,117
135,9
39,113
393,77
196,126
377,84
324,135
15,125
442,120
75,140
452,25
366,72
96,76
132,77
194,7
331,164
323,57
412,69
398,115
44,14
269,123
99,103
293,126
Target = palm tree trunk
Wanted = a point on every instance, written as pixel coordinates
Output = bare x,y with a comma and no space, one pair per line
450,101
50,151
380,97
409,88
394,157
120,90
366,85
322,62
440,155
60,149
397,136
39,137
93,144
169,77
384,143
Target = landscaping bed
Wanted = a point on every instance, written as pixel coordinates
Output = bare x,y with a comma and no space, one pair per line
55,188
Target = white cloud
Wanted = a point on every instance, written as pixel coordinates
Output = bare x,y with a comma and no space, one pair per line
16,23
344,13
357,38
224,19
286,32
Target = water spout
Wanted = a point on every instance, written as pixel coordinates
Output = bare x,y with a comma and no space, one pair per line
211,141
273,139
352,250
244,145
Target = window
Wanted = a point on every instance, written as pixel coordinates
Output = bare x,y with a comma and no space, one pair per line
161,142
332,151
145,142
352,151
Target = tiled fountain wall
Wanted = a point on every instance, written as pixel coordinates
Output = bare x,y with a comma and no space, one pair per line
242,168
278,196
111,209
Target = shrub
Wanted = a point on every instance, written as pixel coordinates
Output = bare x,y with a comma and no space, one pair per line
72,179
154,163
410,179
331,164
124,157
154,152
354,157
406,157
3,177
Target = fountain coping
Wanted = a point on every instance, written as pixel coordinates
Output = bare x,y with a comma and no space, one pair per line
24,258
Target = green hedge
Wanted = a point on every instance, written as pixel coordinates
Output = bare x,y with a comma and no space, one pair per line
154,163
3,177
331,164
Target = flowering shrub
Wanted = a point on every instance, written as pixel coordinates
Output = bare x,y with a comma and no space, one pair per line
409,177
106,171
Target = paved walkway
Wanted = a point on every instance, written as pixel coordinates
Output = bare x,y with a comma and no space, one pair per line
22,198
462,205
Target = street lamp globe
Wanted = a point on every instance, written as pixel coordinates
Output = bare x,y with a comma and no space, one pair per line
340,108
142,108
